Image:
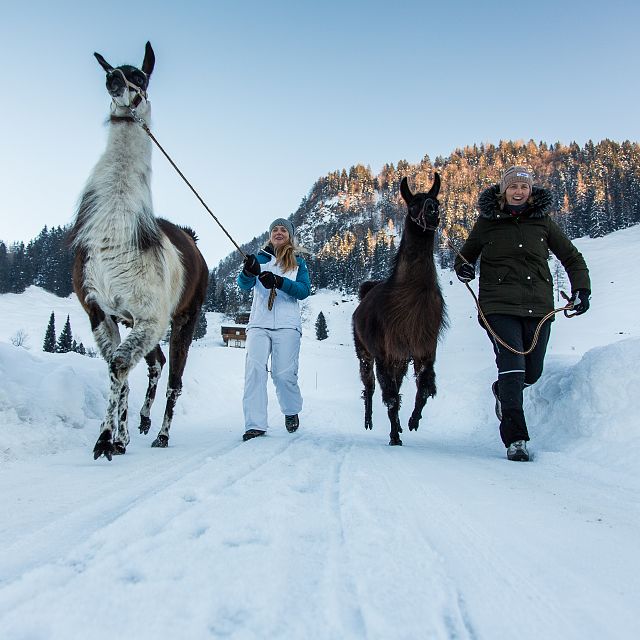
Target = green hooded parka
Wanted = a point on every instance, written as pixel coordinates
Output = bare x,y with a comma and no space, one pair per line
514,273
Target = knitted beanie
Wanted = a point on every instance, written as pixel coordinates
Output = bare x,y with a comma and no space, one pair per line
515,174
281,222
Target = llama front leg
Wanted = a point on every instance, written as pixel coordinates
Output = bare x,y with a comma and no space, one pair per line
155,362
122,438
181,336
426,388
107,338
123,359
144,335
368,381
390,379
105,445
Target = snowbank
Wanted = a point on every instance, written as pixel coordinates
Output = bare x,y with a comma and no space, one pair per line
596,399
47,401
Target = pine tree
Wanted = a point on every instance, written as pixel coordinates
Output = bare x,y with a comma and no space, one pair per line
65,339
201,327
210,298
4,269
322,332
50,335
19,278
78,348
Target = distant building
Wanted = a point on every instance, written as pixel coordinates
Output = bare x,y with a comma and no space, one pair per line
235,335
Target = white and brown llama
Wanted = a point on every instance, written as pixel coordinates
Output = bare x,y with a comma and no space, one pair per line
399,319
131,267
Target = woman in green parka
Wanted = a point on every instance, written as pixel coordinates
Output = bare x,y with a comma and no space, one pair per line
513,236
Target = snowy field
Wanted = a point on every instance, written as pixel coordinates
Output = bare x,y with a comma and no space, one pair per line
328,533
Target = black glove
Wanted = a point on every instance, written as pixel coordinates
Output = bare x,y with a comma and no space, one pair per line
466,272
580,299
270,280
251,266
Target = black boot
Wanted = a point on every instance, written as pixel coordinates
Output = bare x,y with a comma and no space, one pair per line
498,407
291,423
252,433
517,451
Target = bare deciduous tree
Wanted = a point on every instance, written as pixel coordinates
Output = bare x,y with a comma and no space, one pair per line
20,339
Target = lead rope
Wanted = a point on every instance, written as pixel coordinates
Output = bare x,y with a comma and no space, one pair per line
272,296
144,125
536,335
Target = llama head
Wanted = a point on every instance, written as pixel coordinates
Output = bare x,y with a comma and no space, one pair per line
422,207
126,84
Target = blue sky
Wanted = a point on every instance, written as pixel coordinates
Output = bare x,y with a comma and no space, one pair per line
256,100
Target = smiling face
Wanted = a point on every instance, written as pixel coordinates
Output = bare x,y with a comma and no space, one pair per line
517,193
279,236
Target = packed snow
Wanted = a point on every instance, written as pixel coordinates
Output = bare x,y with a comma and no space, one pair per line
329,532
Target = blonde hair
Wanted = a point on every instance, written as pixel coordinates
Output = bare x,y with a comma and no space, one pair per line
286,257
286,254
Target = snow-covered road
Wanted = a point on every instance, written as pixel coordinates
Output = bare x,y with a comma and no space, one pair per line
323,534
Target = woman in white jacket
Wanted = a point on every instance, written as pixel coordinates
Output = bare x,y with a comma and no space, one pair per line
273,332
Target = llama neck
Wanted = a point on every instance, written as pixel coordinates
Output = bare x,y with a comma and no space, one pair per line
116,207
414,260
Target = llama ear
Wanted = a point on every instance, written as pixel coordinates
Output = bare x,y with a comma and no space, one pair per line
103,63
433,192
405,192
149,59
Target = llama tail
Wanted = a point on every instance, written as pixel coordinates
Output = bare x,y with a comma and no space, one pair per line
365,287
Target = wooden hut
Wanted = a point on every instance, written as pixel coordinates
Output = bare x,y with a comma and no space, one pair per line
235,335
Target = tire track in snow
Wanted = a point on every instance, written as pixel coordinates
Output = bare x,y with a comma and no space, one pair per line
155,519
346,599
131,488
401,576
479,563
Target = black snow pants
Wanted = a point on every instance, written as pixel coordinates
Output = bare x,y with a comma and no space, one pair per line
515,372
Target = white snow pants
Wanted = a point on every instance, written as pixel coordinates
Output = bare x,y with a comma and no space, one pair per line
284,347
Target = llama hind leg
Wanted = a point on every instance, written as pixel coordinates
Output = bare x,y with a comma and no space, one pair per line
155,362
426,388
181,335
390,379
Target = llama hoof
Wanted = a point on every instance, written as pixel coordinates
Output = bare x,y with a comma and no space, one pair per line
119,448
104,447
145,425
414,423
161,442
368,425
394,442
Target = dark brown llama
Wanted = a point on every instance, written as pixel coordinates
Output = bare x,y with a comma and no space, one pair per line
131,267
399,319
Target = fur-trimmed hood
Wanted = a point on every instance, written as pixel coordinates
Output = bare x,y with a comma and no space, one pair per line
489,203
